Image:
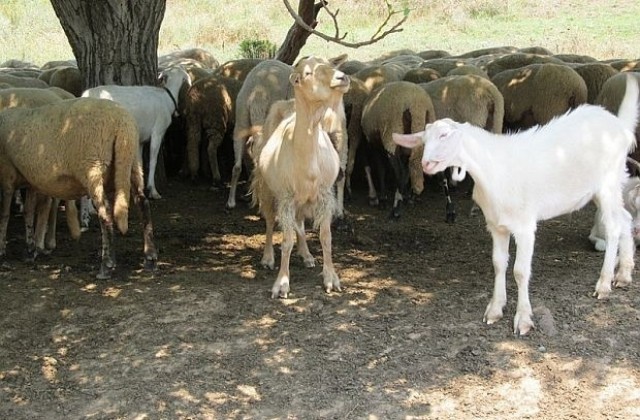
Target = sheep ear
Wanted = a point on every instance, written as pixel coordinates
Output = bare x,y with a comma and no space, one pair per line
407,140
294,78
337,61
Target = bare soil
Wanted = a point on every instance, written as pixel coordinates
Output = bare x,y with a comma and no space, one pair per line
201,338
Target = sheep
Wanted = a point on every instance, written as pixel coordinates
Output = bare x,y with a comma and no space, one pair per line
507,49
209,109
610,97
374,76
594,76
69,79
443,65
70,148
539,174
238,69
200,55
152,108
468,69
296,167
266,83
430,54
536,93
17,81
631,197
516,61
354,101
467,98
394,107
44,240
421,75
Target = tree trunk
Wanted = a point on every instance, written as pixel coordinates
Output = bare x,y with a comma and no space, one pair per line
297,36
114,41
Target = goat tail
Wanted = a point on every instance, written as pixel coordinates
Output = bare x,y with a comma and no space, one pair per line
628,111
125,153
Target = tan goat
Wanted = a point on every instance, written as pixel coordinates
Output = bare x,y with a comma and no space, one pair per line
296,167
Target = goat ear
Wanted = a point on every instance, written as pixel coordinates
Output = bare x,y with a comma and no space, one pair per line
337,61
407,140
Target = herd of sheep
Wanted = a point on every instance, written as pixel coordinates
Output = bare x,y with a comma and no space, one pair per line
296,132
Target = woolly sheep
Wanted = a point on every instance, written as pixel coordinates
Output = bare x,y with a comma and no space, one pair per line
152,107
395,107
536,49
375,76
75,147
536,93
238,69
352,66
468,69
610,97
209,112
354,101
488,51
27,82
443,65
296,168
594,76
421,75
512,175
430,54
517,61
200,55
467,98
575,58
44,240
69,79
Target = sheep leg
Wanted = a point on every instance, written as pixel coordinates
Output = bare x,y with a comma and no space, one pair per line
238,151
44,205
450,208
613,231
500,256
154,149
52,223
522,322
268,212
108,258
7,197
86,208
215,140
30,203
141,201
281,286
303,248
626,251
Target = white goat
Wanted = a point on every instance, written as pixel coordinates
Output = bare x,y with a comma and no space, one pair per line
152,107
538,174
296,166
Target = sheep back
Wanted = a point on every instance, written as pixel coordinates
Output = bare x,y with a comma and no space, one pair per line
594,76
26,97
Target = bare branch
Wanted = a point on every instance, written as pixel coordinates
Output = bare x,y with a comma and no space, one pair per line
340,39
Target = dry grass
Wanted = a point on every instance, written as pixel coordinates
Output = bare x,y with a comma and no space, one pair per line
29,29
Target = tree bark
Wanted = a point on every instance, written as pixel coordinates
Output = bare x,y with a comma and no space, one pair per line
297,36
114,41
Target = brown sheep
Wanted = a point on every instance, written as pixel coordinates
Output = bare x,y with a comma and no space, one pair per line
421,75
610,97
443,65
200,55
69,79
296,168
517,60
376,75
400,107
536,93
238,69
430,54
76,147
594,76
467,98
27,82
266,83
209,112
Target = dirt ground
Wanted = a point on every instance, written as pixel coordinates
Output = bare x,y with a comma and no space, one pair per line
201,338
